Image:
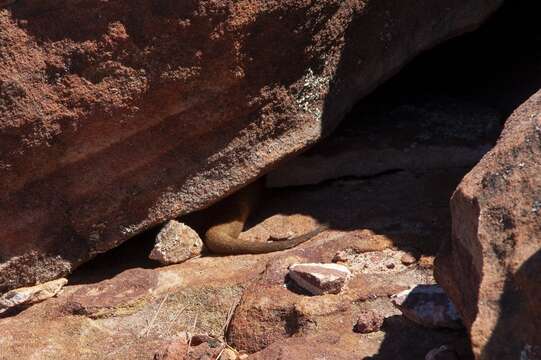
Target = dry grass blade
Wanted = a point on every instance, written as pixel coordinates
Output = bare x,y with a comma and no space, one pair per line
226,346
191,335
220,354
151,324
172,323
229,317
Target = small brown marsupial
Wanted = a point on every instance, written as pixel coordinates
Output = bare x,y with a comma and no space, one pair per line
223,238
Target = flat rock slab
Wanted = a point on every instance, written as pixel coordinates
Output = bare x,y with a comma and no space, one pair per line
319,279
30,295
372,262
108,318
429,306
119,296
324,346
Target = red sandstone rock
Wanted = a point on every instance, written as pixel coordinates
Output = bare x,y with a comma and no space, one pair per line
428,305
265,315
120,295
176,350
325,346
175,243
367,322
116,117
492,266
319,279
408,259
179,350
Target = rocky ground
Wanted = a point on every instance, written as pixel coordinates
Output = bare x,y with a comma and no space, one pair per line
137,312
382,182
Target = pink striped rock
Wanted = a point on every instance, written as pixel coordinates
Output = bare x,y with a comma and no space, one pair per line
319,279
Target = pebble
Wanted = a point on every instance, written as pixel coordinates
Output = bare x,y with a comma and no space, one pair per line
367,322
408,259
340,256
319,279
426,262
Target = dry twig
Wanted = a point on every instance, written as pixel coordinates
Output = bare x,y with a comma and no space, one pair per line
191,335
229,317
172,322
151,324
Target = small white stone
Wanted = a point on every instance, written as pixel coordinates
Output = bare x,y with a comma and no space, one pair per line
176,243
319,279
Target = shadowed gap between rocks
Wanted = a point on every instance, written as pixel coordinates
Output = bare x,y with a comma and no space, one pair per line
502,69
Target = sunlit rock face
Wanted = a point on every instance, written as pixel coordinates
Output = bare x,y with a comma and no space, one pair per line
491,267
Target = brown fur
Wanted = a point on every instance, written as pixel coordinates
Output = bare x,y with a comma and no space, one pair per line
223,238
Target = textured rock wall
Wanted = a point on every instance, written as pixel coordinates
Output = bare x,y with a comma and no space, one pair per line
118,115
491,267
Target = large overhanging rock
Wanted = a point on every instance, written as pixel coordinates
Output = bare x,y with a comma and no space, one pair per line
492,266
118,115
